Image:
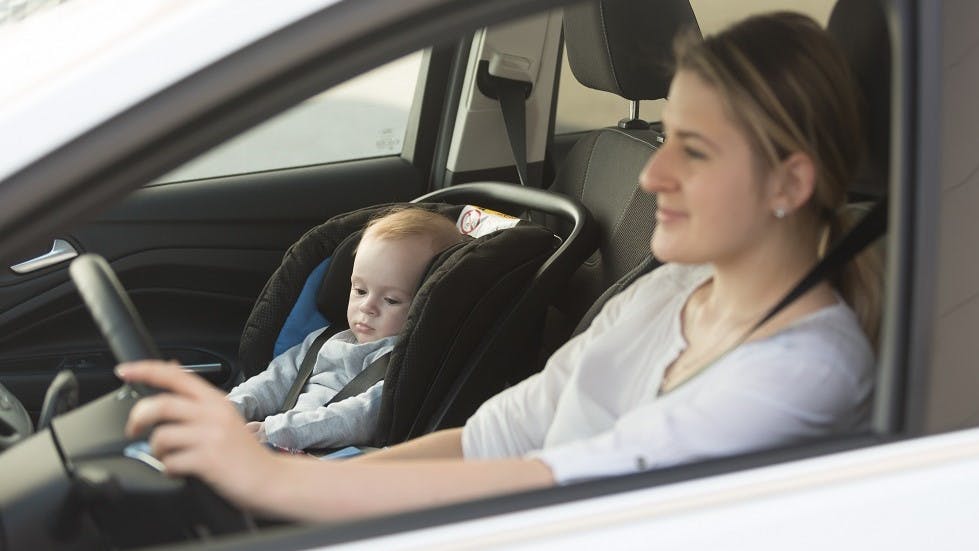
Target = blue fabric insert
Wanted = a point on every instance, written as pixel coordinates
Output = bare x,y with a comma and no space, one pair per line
304,317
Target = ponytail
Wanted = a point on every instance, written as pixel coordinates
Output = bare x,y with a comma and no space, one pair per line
860,282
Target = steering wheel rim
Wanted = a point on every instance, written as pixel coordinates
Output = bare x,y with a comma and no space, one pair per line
113,312
15,423
111,309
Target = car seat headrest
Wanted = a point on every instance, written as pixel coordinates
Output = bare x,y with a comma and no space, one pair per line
625,46
334,291
860,28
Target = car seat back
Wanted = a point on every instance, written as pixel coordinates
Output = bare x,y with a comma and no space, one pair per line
623,47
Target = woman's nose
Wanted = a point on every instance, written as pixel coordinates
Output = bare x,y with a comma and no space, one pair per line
657,175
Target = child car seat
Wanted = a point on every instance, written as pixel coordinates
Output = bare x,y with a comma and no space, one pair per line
475,316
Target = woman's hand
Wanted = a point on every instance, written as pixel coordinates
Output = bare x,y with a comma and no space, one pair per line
197,432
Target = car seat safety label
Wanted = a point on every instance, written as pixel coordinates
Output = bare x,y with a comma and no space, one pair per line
477,222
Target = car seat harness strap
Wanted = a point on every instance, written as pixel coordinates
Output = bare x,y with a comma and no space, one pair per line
305,370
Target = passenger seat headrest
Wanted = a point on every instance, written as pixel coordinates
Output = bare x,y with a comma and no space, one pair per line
625,46
860,28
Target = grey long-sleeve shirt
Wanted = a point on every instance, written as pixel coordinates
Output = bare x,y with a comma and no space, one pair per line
309,424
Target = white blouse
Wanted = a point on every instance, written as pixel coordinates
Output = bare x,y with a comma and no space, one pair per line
595,410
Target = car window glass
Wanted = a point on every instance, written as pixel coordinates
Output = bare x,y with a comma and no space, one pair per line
362,118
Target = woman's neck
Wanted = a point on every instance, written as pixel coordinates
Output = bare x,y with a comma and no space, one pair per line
748,285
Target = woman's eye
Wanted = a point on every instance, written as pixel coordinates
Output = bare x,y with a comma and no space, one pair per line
694,153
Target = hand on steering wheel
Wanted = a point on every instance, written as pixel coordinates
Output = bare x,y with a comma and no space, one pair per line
198,432
201,434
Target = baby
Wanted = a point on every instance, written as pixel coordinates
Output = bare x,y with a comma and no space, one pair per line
388,267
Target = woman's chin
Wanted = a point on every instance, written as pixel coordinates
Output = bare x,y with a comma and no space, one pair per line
664,250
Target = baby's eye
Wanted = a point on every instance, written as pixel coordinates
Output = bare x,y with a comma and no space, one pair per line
358,291
392,301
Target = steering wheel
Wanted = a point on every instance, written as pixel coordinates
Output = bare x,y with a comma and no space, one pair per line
15,423
114,313
123,329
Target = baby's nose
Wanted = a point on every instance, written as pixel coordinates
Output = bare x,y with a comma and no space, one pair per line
368,307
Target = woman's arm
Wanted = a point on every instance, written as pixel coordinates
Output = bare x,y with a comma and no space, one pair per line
199,433
303,489
444,444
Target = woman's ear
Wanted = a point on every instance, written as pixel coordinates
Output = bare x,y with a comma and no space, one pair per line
795,184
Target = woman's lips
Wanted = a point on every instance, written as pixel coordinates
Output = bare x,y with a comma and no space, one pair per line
665,216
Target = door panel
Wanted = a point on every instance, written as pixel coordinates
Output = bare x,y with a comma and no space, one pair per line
193,256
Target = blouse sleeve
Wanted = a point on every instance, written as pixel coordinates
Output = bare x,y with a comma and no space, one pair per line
773,397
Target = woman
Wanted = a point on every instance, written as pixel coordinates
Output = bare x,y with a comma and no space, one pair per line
762,139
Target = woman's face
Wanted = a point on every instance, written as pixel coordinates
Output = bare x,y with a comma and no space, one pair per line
711,192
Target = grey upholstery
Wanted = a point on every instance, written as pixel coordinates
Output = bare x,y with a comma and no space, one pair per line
602,169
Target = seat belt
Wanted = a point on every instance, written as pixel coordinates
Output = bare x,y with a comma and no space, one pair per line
866,231
512,95
305,370
367,378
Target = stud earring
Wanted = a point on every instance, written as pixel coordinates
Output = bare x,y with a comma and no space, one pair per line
779,213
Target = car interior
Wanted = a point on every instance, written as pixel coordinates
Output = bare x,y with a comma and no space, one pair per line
216,266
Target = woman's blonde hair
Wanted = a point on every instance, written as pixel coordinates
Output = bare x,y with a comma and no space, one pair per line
786,83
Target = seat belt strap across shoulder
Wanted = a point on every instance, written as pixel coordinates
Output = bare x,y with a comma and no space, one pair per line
305,370
866,231
373,374
367,378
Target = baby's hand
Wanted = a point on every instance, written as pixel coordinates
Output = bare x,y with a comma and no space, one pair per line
257,429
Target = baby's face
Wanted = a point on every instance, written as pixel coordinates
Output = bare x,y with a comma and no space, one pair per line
385,276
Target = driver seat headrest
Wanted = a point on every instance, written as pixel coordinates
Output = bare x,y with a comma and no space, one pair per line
860,28
625,46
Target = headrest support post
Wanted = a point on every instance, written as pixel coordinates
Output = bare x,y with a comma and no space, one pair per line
633,122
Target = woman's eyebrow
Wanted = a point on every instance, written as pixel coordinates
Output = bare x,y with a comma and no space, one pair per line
690,134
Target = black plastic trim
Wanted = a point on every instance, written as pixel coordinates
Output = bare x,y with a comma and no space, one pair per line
921,193
432,97
457,75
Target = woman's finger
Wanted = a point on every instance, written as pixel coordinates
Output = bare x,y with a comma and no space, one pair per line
172,438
